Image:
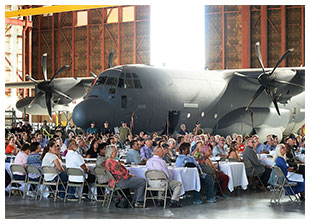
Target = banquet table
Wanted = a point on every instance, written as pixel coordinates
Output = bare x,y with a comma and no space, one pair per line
301,157
236,173
266,159
188,176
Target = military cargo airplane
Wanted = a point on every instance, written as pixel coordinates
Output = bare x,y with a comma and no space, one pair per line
160,99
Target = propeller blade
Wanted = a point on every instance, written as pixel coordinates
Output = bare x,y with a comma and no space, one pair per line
244,76
258,91
48,97
59,71
30,78
61,94
43,65
93,75
111,59
259,56
38,95
275,102
288,83
282,58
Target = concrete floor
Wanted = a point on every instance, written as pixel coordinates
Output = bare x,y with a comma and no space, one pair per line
239,205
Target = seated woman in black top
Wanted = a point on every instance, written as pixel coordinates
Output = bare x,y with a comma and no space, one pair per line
93,150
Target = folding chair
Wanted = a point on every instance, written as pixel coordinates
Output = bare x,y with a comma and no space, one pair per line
252,173
116,188
78,173
160,176
209,170
100,172
280,186
33,170
51,184
21,169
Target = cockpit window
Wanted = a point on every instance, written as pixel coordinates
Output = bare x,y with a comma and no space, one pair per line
128,76
121,83
101,80
122,75
137,83
112,81
134,75
129,84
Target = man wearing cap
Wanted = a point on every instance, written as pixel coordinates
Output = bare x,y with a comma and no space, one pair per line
133,155
92,129
197,130
157,163
106,130
146,151
27,127
124,132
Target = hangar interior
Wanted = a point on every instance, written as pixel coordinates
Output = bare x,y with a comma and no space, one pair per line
83,38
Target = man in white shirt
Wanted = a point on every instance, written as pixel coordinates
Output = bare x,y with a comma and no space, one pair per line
157,163
74,160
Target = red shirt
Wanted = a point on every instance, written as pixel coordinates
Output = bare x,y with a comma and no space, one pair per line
9,149
118,171
241,148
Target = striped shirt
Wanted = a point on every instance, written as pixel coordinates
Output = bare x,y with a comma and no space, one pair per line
34,160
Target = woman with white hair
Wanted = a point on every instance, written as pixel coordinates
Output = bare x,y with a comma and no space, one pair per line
280,159
122,176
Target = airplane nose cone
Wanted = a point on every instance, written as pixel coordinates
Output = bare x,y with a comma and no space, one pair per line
91,110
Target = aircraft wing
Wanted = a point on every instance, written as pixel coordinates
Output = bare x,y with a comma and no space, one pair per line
26,84
253,73
87,81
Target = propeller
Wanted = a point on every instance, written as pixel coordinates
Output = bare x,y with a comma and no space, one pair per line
46,87
267,79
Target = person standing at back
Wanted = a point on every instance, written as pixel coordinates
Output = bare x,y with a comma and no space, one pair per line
124,132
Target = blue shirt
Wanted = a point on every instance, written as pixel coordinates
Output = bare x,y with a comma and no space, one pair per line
270,148
183,159
133,156
34,159
218,150
44,142
146,152
260,147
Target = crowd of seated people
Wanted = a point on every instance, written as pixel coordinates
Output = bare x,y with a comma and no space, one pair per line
184,149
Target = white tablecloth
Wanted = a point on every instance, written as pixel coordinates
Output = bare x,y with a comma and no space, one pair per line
266,159
301,157
236,173
188,176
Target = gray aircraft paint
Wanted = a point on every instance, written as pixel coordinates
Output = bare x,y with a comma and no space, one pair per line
220,95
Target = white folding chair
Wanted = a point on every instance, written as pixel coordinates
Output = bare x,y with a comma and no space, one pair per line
78,173
163,186
51,184
116,188
33,170
281,186
100,173
20,169
252,173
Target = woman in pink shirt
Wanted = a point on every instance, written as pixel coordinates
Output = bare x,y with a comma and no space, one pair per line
21,159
